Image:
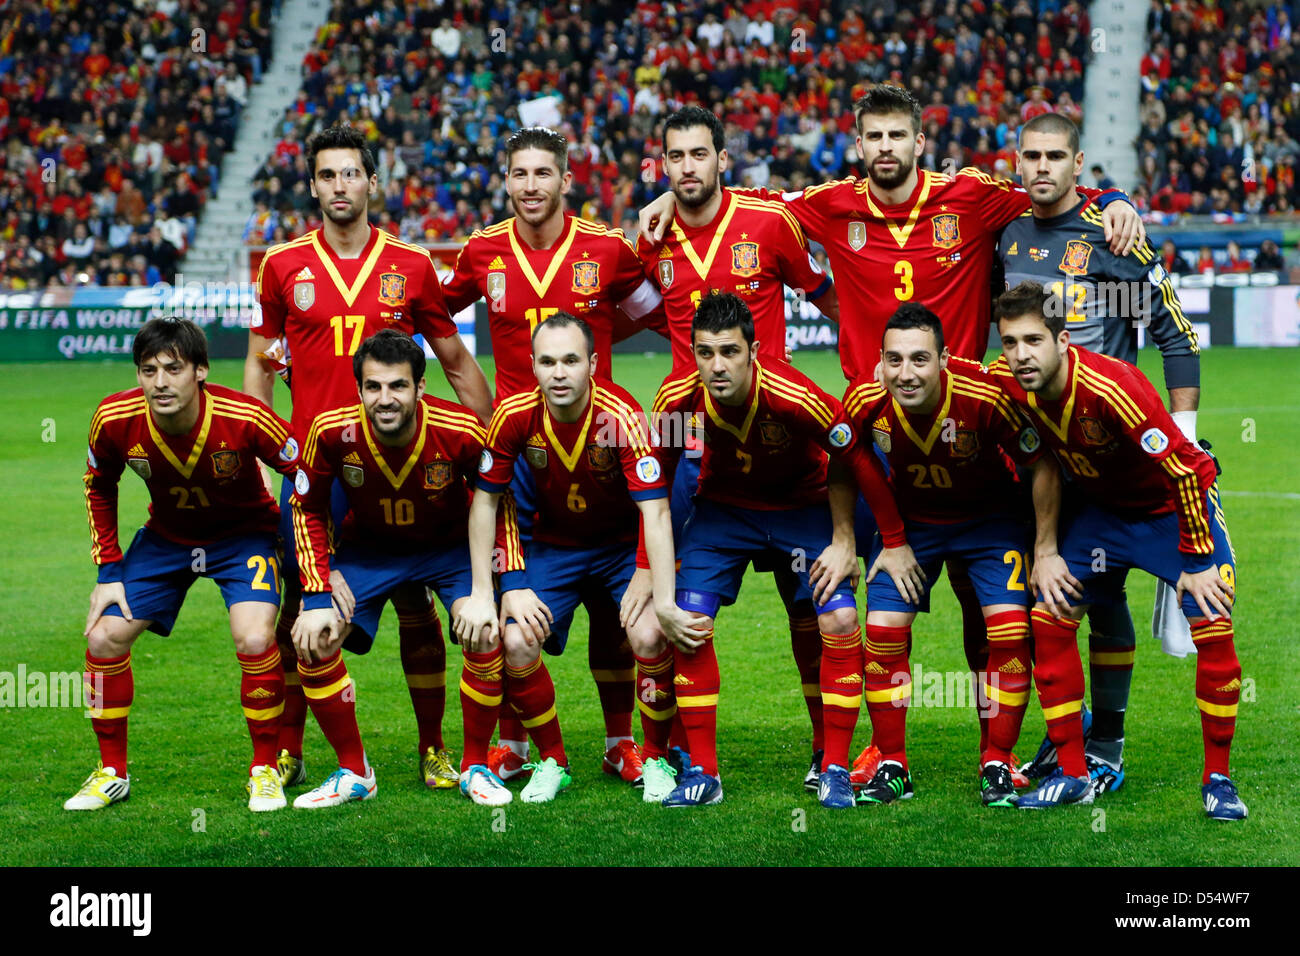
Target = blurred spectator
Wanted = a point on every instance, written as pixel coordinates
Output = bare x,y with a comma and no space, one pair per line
1235,261
1170,258
1269,258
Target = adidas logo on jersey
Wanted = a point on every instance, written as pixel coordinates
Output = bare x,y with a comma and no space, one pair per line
681,680
537,441
1012,666
1229,687
849,679
497,263
1014,250
304,275
259,693
882,424
875,668
352,458
137,451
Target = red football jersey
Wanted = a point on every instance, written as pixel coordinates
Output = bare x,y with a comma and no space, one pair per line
1112,433
751,248
949,465
936,248
203,486
590,272
326,307
407,498
769,454
589,473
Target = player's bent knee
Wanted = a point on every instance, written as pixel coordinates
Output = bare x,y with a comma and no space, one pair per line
645,636
838,620
411,596
113,636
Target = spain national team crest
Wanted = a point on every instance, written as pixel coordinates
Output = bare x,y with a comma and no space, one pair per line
965,443
437,475
392,289
665,273
1094,432
535,456
304,295
600,458
744,259
586,277
773,433
946,233
353,475
496,285
1075,260
857,235
225,463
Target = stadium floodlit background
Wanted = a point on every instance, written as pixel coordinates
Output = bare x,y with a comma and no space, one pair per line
162,143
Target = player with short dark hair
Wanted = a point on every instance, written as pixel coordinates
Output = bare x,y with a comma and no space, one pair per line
585,442
947,431
196,447
763,492
1152,503
407,462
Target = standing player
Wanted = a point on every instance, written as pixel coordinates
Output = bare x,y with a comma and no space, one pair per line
584,440
932,236
542,261
946,431
1153,503
767,431
726,241
196,447
1106,296
325,293
405,460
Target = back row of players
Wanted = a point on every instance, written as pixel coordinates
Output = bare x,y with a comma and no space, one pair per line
390,475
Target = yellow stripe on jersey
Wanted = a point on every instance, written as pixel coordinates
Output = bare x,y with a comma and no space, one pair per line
674,391
1111,390
311,579
322,423
753,204
862,396
514,547
96,549
1175,308
523,403
986,393
304,240
1189,493
799,394
269,426
115,411
627,421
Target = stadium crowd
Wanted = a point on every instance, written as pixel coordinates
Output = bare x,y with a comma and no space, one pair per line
114,119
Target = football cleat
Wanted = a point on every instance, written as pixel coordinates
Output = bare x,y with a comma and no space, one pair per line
1045,761
293,772
864,768
834,791
484,787
660,779
507,764
438,770
1221,799
996,786
891,782
549,778
342,786
1105,778
102,787
810,779
624,759
697,789
1018,779
679,760
1058,789
265,791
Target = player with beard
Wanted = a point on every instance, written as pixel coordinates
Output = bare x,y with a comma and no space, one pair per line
324,294
932,236
542,261
723,240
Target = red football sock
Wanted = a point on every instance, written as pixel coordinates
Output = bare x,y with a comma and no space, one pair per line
530,691
613,666
806,645
1218,690
656,701
480,700
110,688
677,731
511,727
293,721
1058,675
261,693
840,681
424,661
333,700
888,684
697,684
1005,683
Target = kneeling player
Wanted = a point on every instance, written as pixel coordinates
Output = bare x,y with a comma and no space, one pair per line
406,460
946,428
763,492
196,446
1153,504
587,448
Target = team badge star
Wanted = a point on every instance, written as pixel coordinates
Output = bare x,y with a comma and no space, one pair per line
223,444
744,235
943,208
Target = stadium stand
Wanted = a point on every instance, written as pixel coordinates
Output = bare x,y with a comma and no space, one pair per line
115,118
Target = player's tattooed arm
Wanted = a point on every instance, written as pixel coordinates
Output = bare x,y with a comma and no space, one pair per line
476,623
1050,576
840,559
654,219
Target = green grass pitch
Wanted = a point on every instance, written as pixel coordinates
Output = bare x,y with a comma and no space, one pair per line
189,746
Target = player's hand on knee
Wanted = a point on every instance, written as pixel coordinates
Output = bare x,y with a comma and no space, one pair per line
1213,595
681,628
312,633
102,598
903,569
345,601
636,598
1123,227
1051,580
475,622
833,566
653,219
529,611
